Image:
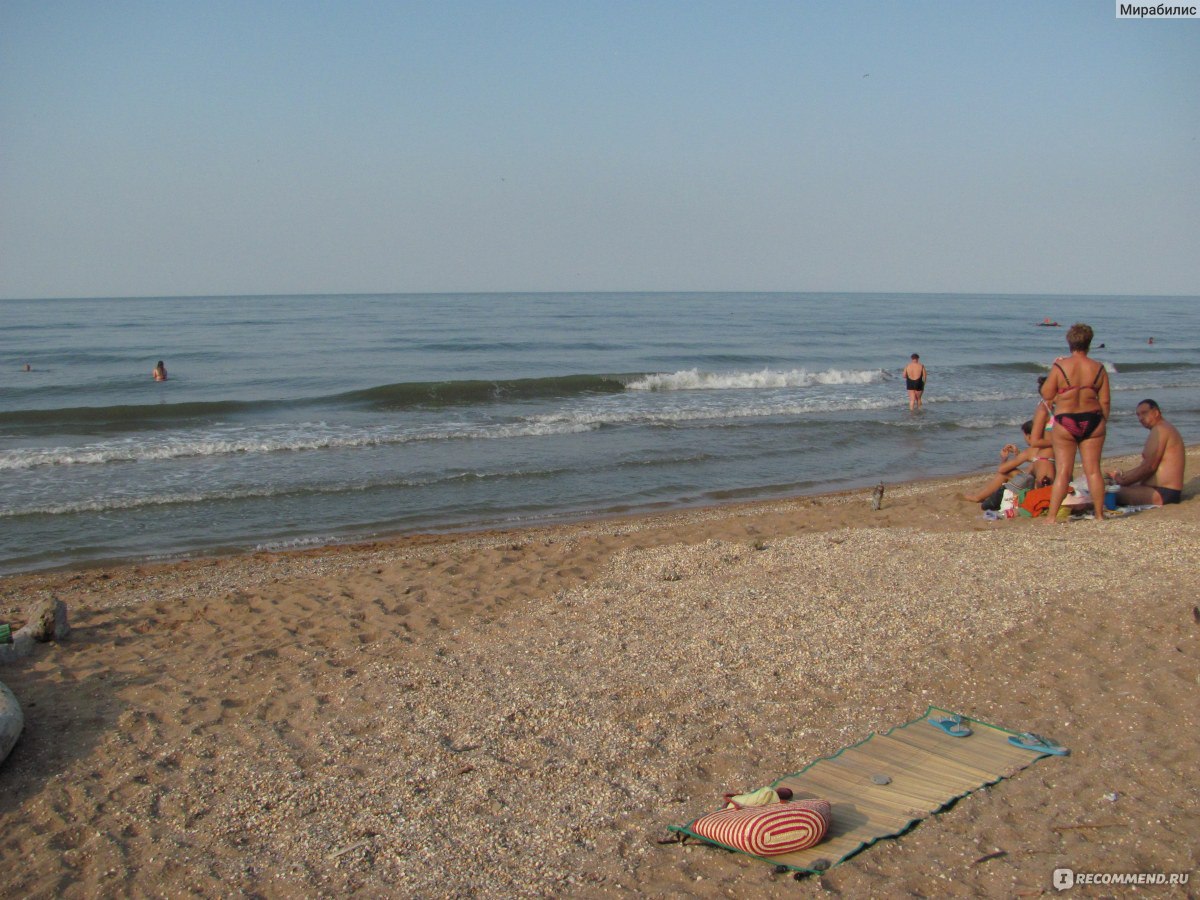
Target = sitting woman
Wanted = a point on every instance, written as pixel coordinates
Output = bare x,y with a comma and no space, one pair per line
1043,424
1079,389
1041,467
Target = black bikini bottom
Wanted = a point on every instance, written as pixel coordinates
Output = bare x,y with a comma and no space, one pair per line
1079,425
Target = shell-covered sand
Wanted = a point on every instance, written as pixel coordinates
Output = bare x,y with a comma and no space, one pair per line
524,713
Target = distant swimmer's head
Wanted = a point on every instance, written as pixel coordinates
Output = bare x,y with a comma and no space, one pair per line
1079,337
916,356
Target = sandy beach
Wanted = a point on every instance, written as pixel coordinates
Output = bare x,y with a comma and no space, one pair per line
524,713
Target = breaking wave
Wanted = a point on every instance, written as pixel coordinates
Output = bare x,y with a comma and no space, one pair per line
695,380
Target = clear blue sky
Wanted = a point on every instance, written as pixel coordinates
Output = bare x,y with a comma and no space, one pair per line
155,148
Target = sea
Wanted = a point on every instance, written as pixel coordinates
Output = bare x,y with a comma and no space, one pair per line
294,421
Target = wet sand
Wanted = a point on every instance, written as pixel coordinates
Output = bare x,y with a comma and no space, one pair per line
523,713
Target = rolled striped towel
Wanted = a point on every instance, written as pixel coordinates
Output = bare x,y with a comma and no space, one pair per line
768,830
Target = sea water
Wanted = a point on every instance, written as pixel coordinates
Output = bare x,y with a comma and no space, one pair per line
295,420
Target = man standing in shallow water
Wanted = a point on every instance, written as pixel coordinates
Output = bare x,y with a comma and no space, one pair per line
1158,479
914,380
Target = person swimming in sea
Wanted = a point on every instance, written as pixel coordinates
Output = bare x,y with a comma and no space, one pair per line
160,372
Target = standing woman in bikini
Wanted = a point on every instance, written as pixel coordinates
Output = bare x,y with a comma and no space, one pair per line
1079,389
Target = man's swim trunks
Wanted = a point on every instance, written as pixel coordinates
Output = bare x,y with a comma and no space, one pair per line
1169,495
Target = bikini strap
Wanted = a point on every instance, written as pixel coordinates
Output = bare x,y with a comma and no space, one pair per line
1064,373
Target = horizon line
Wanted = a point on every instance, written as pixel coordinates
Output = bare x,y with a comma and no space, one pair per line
507,293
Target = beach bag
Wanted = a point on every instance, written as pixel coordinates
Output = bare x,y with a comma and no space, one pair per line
1034,502
1021,481
993,502
771,830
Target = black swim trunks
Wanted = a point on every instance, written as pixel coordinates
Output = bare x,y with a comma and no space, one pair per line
1169,495
915,384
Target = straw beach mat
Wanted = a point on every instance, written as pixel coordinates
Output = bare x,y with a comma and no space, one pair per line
924,769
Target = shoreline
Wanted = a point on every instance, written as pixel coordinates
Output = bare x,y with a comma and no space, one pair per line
468,532
522,712
450,533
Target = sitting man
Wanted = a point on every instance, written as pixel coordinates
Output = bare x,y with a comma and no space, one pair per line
1158,479
1041,468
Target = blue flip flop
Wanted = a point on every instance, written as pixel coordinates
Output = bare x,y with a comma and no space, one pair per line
952,725
1038,744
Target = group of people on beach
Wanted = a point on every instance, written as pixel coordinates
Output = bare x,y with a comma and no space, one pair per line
1072,418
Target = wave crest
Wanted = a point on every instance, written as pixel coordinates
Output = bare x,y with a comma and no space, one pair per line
293,441
695,380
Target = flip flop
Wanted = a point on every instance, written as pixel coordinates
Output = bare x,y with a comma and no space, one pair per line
952,725
1038,744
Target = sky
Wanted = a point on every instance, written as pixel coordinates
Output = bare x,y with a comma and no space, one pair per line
173,148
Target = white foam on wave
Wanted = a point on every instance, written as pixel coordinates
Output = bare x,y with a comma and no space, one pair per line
105,504
598,418
108,503
125,501
293,439
301,543
695,380
987,423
